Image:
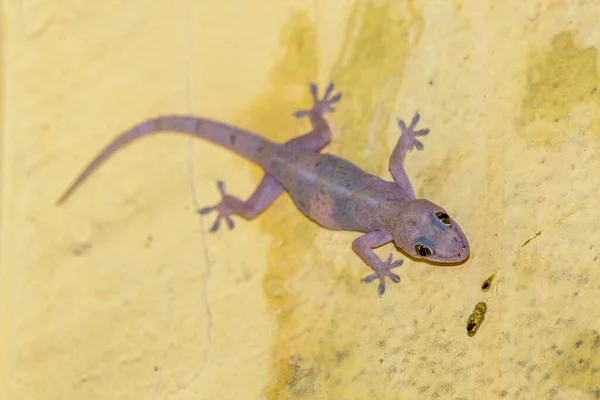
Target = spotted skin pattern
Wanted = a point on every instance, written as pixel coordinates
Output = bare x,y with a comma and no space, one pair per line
329,190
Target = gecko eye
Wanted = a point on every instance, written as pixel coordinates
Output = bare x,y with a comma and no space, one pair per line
423,251
443,217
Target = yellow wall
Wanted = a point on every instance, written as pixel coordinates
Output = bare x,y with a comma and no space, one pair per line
122,294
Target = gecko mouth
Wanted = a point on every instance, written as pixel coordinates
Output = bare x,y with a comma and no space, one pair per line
463,250
456,256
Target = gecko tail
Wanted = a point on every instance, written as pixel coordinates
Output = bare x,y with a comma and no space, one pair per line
245,143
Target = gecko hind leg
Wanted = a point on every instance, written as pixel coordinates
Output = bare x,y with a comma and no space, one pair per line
265,194
320,136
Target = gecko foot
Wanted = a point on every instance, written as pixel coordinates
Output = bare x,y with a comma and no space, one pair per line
382,271
222,208
409,135
320,106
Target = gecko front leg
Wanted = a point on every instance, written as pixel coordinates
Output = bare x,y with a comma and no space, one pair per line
408,140
364,245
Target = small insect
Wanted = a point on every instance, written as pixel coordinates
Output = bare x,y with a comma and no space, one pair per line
476,319
487,284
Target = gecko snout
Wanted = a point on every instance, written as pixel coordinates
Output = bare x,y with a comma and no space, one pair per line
464,250
455,250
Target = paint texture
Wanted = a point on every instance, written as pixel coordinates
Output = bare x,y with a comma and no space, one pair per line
122,293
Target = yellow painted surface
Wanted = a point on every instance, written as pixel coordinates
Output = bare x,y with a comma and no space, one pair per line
122,294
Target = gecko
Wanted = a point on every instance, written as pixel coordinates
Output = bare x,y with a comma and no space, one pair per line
327,189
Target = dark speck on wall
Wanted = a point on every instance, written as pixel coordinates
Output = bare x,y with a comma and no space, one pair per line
487,284
80,249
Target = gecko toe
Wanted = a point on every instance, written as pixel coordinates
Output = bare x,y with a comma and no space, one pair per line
221,187
370,278
222,214
216,225
301,113
389,264
401,125
314,91
415,120
328,90
335,98
205,210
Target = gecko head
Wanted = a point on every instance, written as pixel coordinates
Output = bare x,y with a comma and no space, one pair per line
425,230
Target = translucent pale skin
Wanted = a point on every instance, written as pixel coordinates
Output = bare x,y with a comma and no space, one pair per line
329,190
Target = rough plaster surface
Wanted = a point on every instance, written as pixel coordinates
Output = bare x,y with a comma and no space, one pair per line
121,294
